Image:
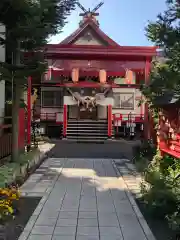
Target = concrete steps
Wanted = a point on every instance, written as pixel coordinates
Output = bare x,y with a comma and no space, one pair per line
87,130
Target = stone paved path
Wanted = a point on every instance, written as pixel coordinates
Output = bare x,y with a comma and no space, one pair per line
83,199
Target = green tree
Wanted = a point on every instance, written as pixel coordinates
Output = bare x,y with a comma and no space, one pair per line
29,23
165,33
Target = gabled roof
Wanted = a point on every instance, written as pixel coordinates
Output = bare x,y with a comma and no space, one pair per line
89,24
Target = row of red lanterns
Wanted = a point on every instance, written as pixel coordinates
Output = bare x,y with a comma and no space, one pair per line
103,76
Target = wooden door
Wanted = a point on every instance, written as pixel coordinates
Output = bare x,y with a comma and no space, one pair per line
86,114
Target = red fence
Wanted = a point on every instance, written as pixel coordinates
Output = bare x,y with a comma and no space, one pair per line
6,134
172,148
5,145
48,116
5,138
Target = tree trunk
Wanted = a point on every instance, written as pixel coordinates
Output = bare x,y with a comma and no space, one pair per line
15,120
17,94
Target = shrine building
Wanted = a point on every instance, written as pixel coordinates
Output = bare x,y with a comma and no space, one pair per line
91,91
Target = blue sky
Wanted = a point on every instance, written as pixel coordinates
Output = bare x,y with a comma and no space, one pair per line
122,20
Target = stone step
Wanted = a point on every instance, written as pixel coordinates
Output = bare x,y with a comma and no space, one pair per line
78,140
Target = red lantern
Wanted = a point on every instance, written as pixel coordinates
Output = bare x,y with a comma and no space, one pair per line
102,76
48,74
129,77
75,75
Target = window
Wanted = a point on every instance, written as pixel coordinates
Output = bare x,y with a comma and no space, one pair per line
124,100
52,98
117,100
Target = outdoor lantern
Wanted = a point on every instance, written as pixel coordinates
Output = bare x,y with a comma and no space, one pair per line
102,76
129,78
75,75
48,74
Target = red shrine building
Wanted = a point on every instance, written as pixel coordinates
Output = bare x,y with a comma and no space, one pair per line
91,91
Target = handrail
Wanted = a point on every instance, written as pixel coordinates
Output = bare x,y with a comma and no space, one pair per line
110,121
125,117
48,116
65,119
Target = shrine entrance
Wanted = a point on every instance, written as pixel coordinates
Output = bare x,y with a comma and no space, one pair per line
88,113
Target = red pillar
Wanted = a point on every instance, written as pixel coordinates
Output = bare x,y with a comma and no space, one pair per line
109,121
65,121
146,112
29,116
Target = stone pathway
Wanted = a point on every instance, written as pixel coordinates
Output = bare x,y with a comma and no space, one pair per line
131,177
82,199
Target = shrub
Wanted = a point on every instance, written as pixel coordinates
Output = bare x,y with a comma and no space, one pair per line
161,191
143,154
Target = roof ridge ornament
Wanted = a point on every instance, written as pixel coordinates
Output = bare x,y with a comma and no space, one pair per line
89,14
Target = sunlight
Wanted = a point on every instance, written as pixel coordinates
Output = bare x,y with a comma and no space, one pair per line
102,183
58,170
106,183
78,172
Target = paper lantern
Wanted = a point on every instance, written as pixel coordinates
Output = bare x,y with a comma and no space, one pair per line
102,76
75,75
129,78
48,74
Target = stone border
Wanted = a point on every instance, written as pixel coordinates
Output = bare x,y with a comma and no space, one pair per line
140,217
29,166
38,159
32,220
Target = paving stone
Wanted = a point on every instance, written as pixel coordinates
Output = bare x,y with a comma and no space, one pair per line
103,198
106,209
46,221
108,222
48,213
135,233
115,238
110,231
68,214
58,237
90,207
70,208
66,222
85,222
42,230
69,231
86,214
87,238
39,237
90,231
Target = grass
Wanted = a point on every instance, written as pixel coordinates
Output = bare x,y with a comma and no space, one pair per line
9,170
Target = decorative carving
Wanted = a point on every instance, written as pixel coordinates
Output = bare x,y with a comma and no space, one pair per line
87,102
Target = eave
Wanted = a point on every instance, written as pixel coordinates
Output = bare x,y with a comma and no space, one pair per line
86,52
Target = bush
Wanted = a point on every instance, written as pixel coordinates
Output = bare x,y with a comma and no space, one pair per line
161,190
143,154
